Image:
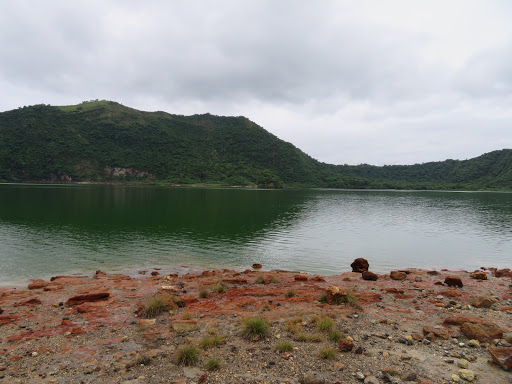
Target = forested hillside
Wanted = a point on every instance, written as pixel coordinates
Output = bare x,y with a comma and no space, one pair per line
103,141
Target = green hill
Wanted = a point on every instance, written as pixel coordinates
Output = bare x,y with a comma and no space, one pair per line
103,141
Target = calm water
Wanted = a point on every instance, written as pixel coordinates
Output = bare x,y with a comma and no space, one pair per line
47,230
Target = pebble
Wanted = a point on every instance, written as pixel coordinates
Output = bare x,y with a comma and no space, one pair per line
473,343
455,378
359,376
466,374
371,380
463,363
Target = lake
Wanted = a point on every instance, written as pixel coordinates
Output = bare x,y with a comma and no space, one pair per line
48,230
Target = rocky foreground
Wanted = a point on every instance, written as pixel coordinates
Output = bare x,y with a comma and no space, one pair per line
409,326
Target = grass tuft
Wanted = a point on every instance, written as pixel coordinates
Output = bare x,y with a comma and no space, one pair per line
220,287
212,364
327,353
274,280
260,280
336,335
209,342
285,346
255,328
154,306
324,324
290,293
187,355
203,294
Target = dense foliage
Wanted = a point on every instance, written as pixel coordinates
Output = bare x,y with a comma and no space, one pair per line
105,141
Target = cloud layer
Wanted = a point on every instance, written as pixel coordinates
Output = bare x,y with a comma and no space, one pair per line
375,82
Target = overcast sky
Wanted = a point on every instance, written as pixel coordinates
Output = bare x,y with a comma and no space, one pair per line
378,82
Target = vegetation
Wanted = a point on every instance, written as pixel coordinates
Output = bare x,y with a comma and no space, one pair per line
209,342
328,353
187,355
219,287
155,305
255,328
285,346
103,141
290,293
212,364
336,335
203,294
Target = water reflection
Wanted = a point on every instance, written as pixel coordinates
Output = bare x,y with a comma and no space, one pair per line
46,230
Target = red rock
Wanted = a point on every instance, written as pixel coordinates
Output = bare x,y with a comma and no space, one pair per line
8,319
202,379
78,331
256,266
442,333
28,303
432,273
66,323
461,319
453,281
319,279
67,277
503,273
360,265
94,296
398,275
367,275
394,291
482,302
345,345
481,331
36,284
300,278
154,273
501,309
235,281
503,356
479,275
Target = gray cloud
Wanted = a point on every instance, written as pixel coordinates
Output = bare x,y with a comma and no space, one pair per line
346,82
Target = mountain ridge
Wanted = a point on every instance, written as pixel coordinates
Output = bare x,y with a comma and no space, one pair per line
104,141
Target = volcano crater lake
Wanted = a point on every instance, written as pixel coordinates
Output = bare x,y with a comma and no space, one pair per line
48,230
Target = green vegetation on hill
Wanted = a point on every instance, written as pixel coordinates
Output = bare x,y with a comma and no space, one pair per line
103,141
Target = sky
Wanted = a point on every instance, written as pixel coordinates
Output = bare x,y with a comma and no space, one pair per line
348,82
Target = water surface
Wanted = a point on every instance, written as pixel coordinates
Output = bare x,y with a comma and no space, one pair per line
47,230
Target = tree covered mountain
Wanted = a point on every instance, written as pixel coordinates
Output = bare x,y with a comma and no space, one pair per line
103,141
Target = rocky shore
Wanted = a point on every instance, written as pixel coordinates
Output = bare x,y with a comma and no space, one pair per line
256,326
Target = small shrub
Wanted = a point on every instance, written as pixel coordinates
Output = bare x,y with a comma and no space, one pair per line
260,280
290,293
187,355
336,335
153,307
209,342
293,327
254,328
325,324
203,294
285,346
187,316
308,337
323,299
212,364
220,287
274,280
327,353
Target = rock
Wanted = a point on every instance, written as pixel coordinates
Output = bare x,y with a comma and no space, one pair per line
345,345
360,376
99,274
300,278
503,273
336,295
371,380
398,275
481,331
453,281
202,379
437,332
455,378
432,273
192,373
154,273
37,284
28,303
1,311
367,275
319,279
418,279
466,374
184,325
409,376
502,356
463,363
257,266
88,297
473,343
479,275
169,288
360,265
482,302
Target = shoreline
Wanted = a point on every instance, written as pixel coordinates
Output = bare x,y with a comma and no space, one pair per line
409,326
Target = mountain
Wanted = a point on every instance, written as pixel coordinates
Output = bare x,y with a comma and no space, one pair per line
104,141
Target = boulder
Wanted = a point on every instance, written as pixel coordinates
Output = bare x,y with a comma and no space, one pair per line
87,297
503,273
482,302
300,278
398,275
360,265
502,356
453,281
479,275
319,279
256,266
482,332
367,275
